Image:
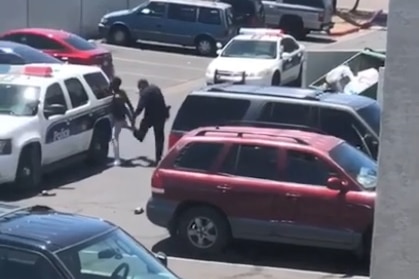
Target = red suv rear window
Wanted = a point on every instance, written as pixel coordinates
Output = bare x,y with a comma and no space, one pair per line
197,156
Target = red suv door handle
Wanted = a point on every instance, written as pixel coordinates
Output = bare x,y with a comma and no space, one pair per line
292,196
223,187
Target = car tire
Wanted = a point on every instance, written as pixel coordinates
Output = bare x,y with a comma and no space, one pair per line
276,79
29,169
97,154
207,225
299,81
205,46
119,35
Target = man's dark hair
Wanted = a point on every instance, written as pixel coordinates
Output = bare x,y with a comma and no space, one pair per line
116,82
142,83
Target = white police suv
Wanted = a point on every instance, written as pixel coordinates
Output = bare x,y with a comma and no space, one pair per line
49,114
258,56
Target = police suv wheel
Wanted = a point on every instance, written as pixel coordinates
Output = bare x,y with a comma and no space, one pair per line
204,231
99,148
29,171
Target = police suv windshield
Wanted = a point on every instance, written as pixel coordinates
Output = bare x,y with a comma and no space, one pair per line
19,100
104,255
356,164
251,49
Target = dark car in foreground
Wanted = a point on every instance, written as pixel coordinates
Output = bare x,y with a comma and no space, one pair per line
63,45
38,242
281,186
12,53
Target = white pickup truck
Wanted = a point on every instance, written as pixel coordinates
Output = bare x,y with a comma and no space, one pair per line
299,17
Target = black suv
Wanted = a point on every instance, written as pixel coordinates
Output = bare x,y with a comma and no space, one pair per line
355,119
38,242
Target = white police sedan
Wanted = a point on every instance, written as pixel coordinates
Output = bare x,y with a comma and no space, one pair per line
258,56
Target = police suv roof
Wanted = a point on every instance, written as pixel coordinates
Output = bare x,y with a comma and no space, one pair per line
201,3
15,74
354,101
40,226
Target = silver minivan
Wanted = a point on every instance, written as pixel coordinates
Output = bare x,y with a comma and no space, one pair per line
299,17
189,23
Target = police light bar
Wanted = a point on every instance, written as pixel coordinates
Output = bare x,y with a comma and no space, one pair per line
261,31
40,71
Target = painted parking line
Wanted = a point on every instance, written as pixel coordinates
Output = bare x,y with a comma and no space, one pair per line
164,64
147,75
252,271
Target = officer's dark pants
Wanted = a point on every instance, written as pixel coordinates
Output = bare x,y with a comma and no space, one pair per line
158,127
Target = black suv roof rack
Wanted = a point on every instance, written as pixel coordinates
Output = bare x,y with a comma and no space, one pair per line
8,209
274,125
241,134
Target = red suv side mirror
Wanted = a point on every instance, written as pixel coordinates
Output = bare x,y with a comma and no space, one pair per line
335,183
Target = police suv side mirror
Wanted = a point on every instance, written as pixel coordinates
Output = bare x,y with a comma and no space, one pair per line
54,109
161,257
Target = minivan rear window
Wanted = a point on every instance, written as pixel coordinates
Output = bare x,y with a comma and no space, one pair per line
209,16
198,111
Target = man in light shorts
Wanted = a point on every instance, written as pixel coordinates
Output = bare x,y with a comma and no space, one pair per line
121,109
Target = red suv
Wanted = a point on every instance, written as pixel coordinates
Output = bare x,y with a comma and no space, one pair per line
286,186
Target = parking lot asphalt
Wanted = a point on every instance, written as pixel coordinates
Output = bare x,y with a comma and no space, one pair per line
113,193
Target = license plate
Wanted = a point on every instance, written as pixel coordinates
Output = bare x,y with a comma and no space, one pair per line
105,63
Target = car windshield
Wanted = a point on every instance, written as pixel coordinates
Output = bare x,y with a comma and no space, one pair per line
79,43
25,55
251,49
371,114
19,100
356,164
103,256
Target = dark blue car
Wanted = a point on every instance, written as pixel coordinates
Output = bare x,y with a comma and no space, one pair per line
17,54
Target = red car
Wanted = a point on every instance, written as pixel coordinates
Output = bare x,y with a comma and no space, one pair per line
64,46
285,186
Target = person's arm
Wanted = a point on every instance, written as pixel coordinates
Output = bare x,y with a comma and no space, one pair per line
127,102
142,102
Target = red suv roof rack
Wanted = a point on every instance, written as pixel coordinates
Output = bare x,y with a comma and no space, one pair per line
241,133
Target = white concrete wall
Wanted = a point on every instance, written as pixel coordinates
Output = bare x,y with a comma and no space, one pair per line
77,16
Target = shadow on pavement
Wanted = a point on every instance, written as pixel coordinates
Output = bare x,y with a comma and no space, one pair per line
275,255
166,48
319,39
63,176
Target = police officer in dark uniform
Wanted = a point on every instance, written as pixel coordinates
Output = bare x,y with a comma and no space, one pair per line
156,112
121,109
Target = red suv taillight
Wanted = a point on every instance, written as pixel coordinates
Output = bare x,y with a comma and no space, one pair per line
173,139
157,186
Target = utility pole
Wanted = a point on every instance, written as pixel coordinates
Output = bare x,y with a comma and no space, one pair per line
396,228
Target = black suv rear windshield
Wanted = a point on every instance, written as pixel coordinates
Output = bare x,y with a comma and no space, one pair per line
371,114
309,3
198,111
